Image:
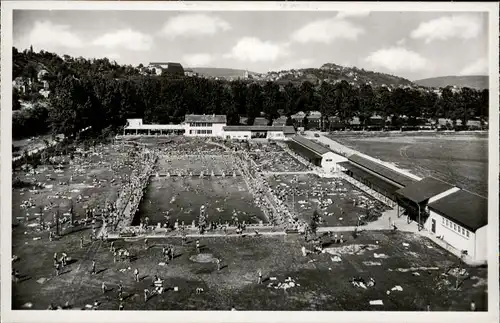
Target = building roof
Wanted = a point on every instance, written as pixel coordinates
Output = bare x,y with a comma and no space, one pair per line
260,121
424,189
311,145
213,118
258,128
464,208
300,149
382,170
288,130
378,184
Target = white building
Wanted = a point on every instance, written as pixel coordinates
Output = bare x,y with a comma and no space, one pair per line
255,132
457,217
205,125
461,219
136,127
317,154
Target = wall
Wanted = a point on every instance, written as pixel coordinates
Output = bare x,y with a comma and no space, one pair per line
330,160
482,244
237,134
278,135
216,128
452,237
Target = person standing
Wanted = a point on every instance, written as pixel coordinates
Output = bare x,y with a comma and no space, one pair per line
260,276
136,274
57,269
93,267
198,246
81,242
146,291
217,261
104,288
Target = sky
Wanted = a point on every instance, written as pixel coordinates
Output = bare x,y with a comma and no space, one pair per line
413,45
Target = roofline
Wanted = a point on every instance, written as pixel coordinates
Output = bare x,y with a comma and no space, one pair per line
455,220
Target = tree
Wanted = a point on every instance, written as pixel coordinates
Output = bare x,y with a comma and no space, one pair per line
16,105
366,103
327,103
271,101
254,102
313,225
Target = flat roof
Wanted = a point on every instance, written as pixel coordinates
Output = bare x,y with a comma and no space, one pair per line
304,151
317,148
376,181
213,118
156,127
464,208
382,170
424,189
256,128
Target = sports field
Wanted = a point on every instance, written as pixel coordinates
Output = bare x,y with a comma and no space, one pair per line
460,159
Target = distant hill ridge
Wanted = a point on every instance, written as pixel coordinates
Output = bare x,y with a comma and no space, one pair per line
330,72
478,82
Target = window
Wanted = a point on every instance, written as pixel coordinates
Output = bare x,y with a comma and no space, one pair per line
442,220
462,230
209,132
328,160
190,132
454,227
467,233
447,223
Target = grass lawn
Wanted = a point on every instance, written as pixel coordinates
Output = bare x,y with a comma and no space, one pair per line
324,284
339,211
460,159
183,197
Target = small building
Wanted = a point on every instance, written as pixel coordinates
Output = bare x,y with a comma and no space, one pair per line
212,125
189,72
316,153
280,122
136,127
258,132
168,67
41,74
461,220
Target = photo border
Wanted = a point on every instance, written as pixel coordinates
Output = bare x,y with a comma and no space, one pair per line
9,315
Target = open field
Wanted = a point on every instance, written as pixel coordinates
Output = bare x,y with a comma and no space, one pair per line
460,159
183,197
337,201
319,282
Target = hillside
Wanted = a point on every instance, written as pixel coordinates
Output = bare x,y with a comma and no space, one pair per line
335,73
479,82
218,72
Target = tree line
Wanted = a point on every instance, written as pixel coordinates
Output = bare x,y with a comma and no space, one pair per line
103,94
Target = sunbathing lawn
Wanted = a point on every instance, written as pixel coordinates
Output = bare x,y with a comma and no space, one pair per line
320,283
339,197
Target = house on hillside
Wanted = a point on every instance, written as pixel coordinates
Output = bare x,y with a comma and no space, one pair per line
20,84
189,72
168,67
41,74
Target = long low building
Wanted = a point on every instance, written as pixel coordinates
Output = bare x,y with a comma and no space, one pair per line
453,215
316,153
255,132
377,177
208,126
